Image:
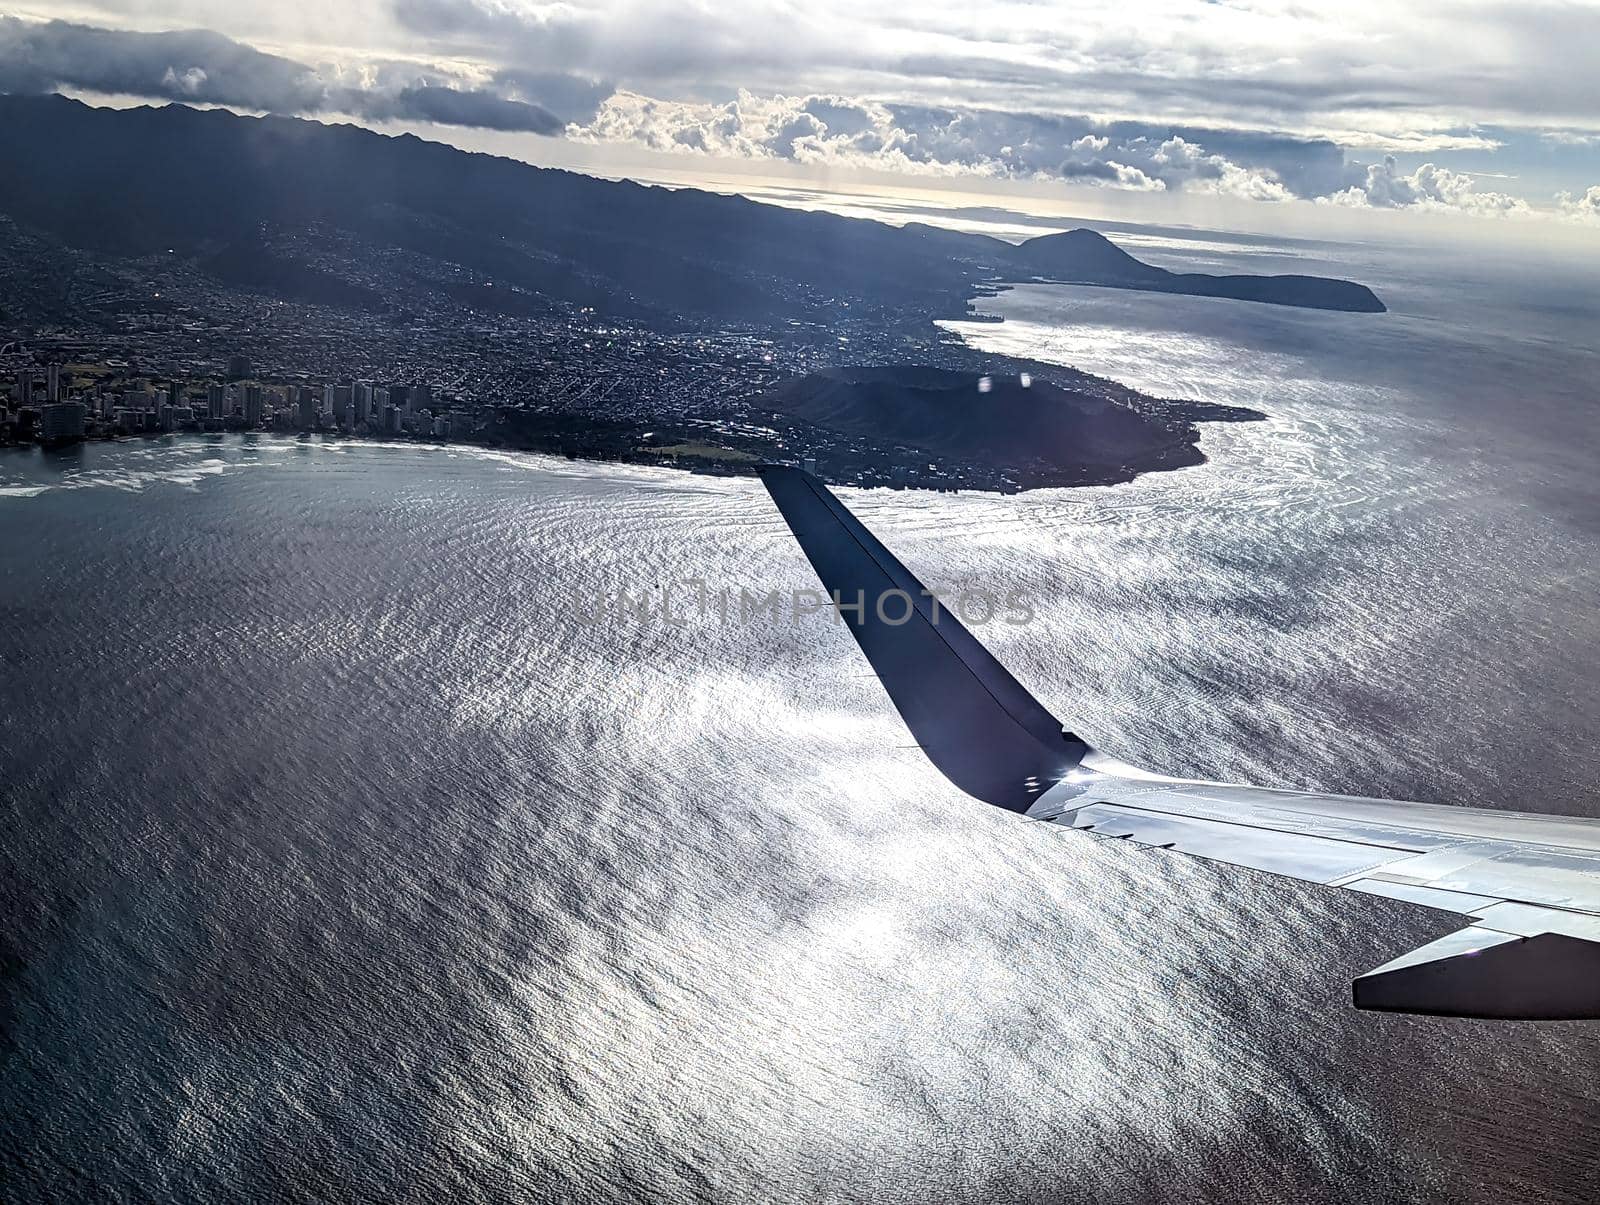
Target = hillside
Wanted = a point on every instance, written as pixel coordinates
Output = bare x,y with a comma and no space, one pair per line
1084,257
212,184
1020,425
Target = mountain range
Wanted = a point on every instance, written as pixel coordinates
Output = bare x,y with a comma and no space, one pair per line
502,235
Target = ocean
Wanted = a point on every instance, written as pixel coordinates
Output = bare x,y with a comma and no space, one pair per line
396,823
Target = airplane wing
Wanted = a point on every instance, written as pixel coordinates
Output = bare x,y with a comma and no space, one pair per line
1529,883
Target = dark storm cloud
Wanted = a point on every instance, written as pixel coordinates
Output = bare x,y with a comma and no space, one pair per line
206,68
183,65
462,107
1091,169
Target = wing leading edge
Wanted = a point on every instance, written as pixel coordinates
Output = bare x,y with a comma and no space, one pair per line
1529,882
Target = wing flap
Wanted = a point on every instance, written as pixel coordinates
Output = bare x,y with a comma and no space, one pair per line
1427,897
1312,859
1479,972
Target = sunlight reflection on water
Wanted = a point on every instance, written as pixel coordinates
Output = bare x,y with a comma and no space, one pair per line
358,868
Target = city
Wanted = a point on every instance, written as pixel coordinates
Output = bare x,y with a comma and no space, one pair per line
121,347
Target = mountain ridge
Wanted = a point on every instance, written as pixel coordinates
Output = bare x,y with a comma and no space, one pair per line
144,180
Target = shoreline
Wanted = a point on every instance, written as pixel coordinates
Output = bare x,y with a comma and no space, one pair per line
718,460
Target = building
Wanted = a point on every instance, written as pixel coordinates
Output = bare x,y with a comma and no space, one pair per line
308,409
216,401
362,400
391,420
252,405
52,384
61,422
239,368
343,395
25,387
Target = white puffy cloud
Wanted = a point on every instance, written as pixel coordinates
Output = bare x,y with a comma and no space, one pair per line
837,131
1202,172
1429,187
1585,208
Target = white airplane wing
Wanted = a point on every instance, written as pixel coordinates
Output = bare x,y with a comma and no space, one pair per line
1530,883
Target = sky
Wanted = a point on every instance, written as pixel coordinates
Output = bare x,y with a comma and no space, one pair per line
1255,113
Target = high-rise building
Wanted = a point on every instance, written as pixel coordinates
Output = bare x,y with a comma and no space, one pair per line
391,420
61,422
361,399
238,367
421,397
25,388
176,391
343,395
308,409
53,383
216,400
400,397
252,405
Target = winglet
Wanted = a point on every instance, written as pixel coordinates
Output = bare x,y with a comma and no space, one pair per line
975,721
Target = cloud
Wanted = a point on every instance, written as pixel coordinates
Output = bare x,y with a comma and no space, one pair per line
837,131
1371,73
1569,138
941,90
1580,209
572,98
465,107
1429,187
1192,167
190,65
201,67
1112,173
